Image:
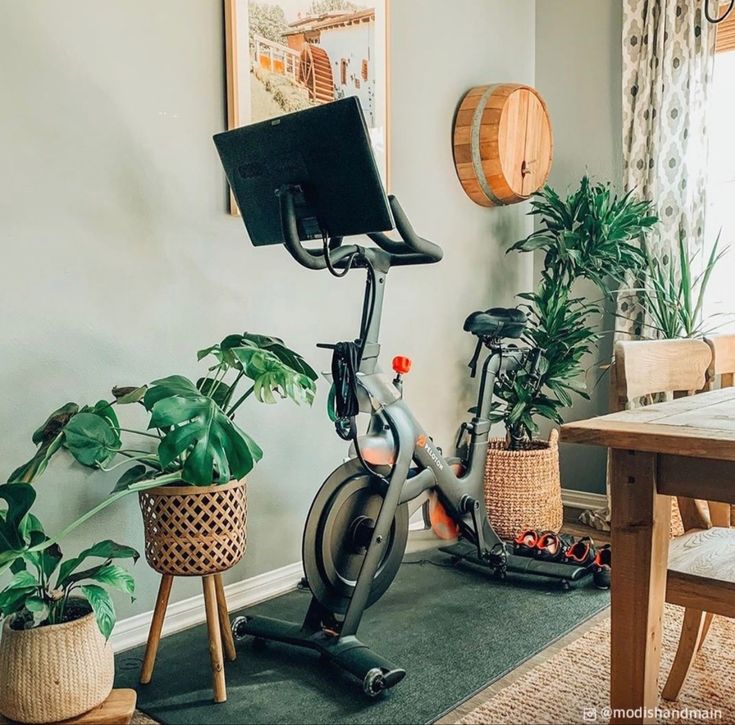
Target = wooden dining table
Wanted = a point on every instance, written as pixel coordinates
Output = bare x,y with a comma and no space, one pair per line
683,447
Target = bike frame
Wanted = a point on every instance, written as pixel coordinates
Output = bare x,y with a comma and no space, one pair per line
462,494
390,417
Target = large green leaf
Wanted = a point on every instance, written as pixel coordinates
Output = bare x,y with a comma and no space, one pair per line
116,577
167,387
211,446
48,437
217,390
224,352
46,560
102,606
12,599
92,438
20,498
55,423
271,376
33,468
107,549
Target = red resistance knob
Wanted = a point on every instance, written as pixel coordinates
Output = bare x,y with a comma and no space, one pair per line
401,364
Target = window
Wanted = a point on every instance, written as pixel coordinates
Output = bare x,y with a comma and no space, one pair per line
720,297
364,72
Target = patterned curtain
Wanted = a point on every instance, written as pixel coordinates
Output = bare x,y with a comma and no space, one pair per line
668,50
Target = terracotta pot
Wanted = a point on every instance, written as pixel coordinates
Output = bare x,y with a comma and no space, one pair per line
523,488
54,672
194,530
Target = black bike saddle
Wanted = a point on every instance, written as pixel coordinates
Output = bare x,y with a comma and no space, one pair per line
497,322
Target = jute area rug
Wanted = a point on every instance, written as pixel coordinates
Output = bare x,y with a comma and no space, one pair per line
572,686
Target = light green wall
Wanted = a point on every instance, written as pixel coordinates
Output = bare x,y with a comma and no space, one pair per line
119,260
578,71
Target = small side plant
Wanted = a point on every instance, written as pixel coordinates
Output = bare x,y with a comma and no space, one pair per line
45,588
591,234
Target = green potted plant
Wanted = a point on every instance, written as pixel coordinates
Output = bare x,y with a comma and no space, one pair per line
671,297
57,614
591,234
191,479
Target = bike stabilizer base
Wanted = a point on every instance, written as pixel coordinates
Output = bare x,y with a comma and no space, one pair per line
347,652
565,573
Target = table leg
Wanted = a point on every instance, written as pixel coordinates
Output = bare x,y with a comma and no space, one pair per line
640,542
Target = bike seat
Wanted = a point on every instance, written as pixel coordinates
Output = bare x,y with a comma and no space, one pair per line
497,322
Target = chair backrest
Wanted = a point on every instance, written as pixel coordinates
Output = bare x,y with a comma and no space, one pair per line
674,368
721,370
644,368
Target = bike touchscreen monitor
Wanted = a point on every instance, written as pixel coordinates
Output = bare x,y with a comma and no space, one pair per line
324,150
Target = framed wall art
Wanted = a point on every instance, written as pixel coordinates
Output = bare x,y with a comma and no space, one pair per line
287,55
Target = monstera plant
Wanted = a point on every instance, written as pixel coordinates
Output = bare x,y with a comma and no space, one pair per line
190,424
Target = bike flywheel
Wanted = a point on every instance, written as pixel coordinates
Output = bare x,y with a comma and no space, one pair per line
338,530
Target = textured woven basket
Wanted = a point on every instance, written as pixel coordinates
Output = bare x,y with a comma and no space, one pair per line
522,488
193,530
55,672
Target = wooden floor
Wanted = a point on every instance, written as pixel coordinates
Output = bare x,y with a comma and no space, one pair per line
576,529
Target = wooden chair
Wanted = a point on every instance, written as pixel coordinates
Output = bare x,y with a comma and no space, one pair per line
721,370
701,573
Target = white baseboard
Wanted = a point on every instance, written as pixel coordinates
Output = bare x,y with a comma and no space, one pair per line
583,499
186,613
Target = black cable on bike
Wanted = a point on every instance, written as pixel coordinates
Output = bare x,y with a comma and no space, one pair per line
328,259
346,360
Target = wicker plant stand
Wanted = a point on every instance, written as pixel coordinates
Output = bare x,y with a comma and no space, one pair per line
195,531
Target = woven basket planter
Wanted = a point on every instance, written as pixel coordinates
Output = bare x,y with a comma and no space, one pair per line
55,672
522,488
194,530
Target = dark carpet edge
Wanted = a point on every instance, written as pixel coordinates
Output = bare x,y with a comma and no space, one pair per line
556,639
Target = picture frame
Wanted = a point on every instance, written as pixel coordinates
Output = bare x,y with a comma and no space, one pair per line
283,56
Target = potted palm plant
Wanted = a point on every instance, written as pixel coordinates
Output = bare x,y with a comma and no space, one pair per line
591,234
55,661
190,481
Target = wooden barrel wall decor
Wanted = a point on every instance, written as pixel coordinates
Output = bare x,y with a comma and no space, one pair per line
502,143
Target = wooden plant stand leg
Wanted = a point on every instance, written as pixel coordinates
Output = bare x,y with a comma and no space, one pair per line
215,638
154,634
228,639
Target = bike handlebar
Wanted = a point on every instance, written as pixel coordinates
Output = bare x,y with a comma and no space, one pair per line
410,249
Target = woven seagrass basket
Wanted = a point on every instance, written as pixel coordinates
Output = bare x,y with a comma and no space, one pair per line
55,672
194,530
522,488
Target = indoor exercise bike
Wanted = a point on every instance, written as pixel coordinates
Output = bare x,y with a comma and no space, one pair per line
311,175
